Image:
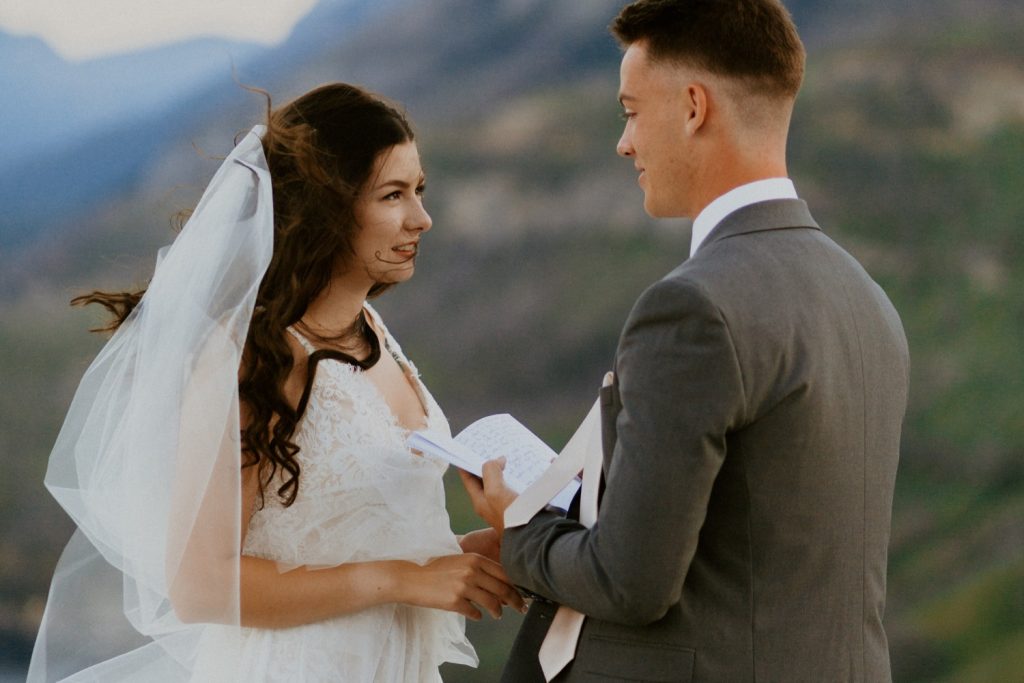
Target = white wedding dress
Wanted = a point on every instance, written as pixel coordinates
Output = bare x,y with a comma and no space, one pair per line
362,496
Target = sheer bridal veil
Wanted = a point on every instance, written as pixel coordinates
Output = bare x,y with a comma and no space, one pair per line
147,462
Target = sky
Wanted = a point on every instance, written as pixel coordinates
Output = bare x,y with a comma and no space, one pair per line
85,29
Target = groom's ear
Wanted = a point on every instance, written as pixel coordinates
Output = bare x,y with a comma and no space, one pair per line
695,107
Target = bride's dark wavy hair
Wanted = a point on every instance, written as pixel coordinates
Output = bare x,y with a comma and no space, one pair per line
321,149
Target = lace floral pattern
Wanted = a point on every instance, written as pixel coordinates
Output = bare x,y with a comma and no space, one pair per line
362,496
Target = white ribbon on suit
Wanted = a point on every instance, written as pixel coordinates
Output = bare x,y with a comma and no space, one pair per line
582,452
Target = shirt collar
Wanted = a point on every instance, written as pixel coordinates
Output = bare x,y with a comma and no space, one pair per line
736,198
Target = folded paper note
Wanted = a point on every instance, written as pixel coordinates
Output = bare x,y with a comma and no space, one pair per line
527,457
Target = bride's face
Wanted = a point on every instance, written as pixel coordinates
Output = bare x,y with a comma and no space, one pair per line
391,217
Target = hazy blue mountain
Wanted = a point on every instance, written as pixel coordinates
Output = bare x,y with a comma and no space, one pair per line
53,101
74,134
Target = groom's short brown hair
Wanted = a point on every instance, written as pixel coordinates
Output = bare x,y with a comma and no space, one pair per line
754,40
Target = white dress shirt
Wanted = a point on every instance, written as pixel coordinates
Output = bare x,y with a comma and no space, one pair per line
736,198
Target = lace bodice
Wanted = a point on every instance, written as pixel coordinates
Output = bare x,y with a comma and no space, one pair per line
355,471
363,495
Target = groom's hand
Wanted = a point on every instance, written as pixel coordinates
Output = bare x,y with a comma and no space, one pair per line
491,496
486,542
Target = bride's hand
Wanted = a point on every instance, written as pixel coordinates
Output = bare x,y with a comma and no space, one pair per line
484,542
456,582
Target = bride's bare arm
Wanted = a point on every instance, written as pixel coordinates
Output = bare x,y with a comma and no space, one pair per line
271,598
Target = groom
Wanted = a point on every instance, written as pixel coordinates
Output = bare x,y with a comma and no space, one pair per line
751,431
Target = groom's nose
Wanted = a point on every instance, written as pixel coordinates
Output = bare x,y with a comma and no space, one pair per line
625,146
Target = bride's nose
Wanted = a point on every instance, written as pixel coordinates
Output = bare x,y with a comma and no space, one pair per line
419,220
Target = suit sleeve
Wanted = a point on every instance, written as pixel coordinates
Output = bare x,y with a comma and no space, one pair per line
681,391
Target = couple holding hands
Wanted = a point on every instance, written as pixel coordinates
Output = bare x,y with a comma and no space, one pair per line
236,458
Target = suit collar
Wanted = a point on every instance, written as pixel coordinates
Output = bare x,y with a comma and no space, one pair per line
735,199
774,214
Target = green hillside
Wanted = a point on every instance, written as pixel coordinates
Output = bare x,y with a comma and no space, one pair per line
925,135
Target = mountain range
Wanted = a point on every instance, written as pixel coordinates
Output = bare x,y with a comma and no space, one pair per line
76,133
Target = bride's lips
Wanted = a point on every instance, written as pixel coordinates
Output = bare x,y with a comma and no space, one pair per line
409,249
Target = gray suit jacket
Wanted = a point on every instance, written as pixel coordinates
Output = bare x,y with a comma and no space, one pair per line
750,445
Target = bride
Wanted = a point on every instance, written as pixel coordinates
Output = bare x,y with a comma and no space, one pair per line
235,457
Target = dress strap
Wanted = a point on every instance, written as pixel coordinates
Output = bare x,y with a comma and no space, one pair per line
310,349
389,342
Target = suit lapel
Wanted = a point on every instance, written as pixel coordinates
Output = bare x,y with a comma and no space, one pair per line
610,407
